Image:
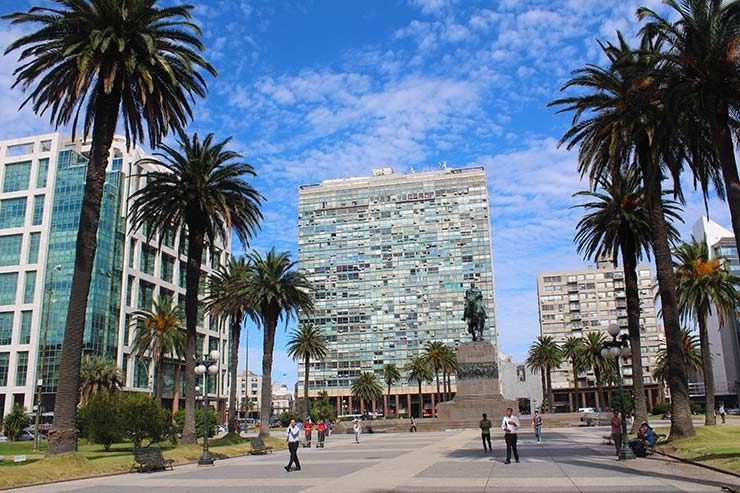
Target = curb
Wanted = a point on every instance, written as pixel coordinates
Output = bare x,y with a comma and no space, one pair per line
699,464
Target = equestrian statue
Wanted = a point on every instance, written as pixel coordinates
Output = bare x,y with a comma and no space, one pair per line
475,313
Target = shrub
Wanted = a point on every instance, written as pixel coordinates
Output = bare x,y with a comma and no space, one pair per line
144,419
697,408
322,408
180,422
284,418
628,402
101,420
659,409
15,422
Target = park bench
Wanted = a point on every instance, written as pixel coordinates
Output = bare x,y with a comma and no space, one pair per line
607,440
651,448
259,447
150,459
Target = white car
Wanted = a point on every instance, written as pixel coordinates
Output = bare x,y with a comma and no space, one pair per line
586,410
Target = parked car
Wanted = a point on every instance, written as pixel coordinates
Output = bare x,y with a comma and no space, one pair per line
735,411
221,429
4,439
586,410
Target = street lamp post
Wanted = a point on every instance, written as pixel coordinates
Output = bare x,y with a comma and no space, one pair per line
207,365
40,378
618,348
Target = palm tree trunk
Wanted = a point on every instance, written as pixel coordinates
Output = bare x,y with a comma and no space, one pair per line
633,321
600,389
706,359
421,403
176,389
268,344
236,328
550,394
305,385
575,387
681,424
192,282
160,379
723,145
63,434
436,377
544,389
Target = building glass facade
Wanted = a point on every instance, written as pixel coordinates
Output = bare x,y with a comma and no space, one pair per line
43,181
390,257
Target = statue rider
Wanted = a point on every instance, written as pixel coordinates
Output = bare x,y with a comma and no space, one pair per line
473,297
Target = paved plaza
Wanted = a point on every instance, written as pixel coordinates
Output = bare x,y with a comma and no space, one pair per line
569,460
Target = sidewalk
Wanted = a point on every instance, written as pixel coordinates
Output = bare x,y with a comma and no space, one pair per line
569,460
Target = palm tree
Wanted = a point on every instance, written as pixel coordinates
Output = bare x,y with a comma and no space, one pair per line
279,292
224,301
703,283
417,369
366,388
159,332
449,366
572,349
592,360
103,59
544,355
307,343
617,221
391,376
620,121
99,374
199,188
435,354
692,357
703,77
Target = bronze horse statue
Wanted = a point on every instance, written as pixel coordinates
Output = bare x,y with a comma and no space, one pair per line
475,313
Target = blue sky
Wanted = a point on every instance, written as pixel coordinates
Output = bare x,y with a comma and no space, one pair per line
324,89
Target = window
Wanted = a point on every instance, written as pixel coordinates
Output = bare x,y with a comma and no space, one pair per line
148,254
6,328
21,369
17,176
168,268
42,173
10,250
215,258
30,288
4,357
146,294
8,285
34,243
38,210
131,252
12,212
26,318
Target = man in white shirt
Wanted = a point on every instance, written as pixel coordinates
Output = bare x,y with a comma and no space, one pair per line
293,436
510,425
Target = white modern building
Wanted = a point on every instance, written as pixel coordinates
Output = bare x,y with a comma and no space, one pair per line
282,398
519,383
41,186
249,394
724,340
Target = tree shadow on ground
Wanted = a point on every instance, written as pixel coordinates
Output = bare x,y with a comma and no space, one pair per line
638,472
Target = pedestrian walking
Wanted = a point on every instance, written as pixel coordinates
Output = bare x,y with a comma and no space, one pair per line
357,428
412,429
321,429
537,425
722,411
307,430
510,425
616,423
293,437
485,426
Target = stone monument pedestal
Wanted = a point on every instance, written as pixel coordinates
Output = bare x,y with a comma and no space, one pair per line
478,389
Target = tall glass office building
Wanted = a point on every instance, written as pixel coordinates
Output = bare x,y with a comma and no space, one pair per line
41,186
391,256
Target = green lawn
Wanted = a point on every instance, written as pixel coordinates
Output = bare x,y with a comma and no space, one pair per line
93,460
717,446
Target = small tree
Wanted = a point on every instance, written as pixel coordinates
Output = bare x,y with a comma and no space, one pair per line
15,422
144,419
322,408
180,422
101,420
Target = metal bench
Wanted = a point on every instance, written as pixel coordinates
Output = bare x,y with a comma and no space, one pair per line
259,447
651,448
150,459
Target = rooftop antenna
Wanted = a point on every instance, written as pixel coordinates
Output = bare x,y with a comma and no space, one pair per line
443,164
